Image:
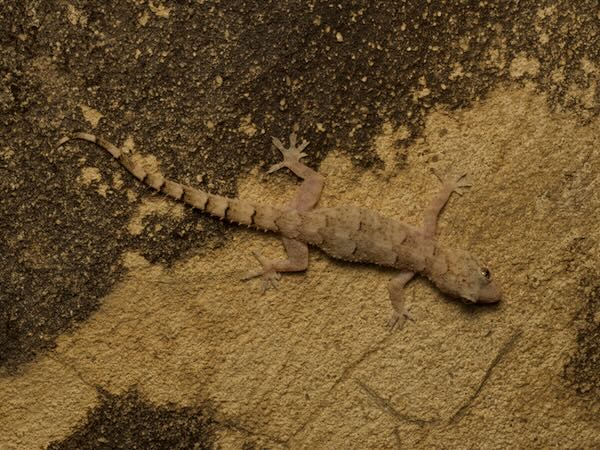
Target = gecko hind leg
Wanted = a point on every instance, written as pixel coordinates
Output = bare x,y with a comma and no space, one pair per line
396,290
305,199
296,261
309,191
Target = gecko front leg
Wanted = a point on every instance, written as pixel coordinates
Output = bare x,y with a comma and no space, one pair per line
453,183
396,290
306,198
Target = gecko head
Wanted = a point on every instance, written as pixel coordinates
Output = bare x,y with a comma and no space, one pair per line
460,274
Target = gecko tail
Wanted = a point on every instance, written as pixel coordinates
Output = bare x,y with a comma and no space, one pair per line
231,209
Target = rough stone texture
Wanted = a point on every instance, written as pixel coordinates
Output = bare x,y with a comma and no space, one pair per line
121,313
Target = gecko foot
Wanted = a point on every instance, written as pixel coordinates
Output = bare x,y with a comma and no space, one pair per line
268,274
291,155
456,182
398,320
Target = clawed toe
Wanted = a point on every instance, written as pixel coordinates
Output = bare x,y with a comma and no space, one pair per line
251,274
276,167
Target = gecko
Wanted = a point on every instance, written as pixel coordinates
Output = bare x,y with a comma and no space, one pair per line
348,233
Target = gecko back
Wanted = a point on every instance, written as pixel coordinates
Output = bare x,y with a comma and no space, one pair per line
357,234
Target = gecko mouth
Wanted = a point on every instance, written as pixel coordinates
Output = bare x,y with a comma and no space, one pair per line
489,293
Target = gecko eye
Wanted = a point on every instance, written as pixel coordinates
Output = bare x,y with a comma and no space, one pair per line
486,273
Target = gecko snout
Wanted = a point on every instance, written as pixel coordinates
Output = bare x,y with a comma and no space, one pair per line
488,291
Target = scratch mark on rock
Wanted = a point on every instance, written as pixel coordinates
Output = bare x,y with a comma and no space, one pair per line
506,347
388,408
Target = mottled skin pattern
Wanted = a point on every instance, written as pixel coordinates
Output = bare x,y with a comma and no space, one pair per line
344,232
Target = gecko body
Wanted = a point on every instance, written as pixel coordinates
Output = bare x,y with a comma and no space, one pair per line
344,232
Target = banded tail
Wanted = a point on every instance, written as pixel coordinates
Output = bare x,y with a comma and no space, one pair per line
231,209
